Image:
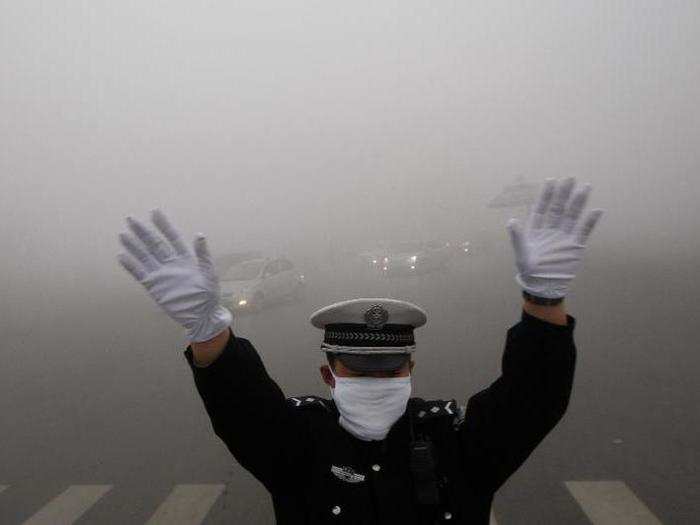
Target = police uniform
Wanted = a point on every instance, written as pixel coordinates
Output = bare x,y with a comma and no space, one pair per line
318,473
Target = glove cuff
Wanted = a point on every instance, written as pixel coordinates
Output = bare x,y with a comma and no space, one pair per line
545,288
216,322
541,300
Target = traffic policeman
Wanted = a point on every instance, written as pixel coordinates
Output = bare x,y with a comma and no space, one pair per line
372,453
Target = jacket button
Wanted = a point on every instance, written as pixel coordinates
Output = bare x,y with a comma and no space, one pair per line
376,468
448,515
336,510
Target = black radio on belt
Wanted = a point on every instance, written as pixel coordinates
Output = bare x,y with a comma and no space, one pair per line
422,464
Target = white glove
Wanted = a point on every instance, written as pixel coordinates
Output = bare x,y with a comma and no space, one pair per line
549,250
183,285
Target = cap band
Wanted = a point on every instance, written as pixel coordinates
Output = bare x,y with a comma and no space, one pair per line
358,335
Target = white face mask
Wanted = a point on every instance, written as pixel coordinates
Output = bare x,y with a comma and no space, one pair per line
369,406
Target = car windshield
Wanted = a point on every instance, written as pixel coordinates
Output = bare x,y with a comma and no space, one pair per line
243,272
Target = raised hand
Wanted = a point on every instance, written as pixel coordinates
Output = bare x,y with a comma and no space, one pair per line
549,249
183,284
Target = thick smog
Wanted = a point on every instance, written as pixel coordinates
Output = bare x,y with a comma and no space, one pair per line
250,247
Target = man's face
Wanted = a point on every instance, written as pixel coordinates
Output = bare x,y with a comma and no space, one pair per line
340,370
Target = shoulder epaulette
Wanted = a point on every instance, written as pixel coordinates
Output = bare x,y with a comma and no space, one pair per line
423,410
308,402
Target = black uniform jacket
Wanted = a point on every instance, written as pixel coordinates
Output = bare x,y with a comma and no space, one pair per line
318,473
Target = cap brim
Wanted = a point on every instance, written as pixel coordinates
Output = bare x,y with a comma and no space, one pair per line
373,363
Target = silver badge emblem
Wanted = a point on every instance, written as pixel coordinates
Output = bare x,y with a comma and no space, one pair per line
376,317
347,474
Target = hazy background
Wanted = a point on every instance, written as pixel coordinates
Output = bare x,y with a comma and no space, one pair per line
311,127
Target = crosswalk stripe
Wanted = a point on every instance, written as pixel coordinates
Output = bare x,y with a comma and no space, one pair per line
186,505
610,503
68,506
603,502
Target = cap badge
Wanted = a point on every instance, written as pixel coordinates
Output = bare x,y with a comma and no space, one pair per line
376,317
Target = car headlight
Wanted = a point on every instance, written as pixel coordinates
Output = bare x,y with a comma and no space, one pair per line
413,259
243,302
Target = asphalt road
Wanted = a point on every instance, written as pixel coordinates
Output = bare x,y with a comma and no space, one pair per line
101,421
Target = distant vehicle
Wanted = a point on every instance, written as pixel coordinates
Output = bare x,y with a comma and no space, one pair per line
224,261
410,257
464,248
257,283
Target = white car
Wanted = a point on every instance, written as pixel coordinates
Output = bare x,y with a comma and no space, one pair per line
254,284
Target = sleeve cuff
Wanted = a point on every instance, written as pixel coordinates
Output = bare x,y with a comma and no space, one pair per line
220,363
535,322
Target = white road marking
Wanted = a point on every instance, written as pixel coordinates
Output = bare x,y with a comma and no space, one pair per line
186,505
610,503
603,502
68,506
